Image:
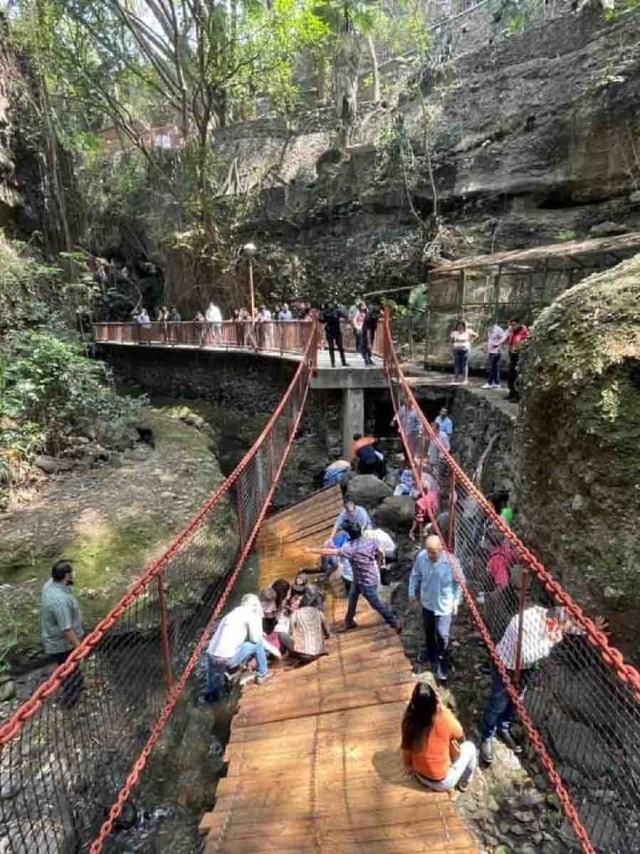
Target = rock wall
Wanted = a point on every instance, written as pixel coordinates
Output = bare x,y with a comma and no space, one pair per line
580,437
242,382
21,189
532,140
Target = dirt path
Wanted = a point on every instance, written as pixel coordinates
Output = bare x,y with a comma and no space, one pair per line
110,520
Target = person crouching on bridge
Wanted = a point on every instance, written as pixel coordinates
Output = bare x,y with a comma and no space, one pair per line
432,582
430,735
307,628
362,555
237,640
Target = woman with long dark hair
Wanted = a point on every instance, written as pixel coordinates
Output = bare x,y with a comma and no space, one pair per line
428,731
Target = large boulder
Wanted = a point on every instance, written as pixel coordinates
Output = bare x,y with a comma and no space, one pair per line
52,465
580,428
396,513
367,489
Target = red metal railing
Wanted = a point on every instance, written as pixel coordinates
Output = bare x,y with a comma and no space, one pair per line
273,337
61,764
581,706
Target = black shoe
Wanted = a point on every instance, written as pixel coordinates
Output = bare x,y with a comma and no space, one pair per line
345,364
509,741
440,673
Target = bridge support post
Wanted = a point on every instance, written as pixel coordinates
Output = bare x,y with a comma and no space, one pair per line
352,417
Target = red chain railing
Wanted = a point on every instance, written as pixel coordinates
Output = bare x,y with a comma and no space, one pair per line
581,706
82,740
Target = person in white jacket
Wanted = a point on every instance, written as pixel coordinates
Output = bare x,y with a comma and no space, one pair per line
237,639
213,316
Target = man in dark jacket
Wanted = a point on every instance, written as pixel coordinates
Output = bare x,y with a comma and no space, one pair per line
331,318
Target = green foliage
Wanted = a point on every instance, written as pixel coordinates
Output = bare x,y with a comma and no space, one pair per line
566,235
28,288
48,389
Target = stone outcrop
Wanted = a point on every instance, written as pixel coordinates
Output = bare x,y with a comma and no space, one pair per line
21,189
580,438
367,489
531,138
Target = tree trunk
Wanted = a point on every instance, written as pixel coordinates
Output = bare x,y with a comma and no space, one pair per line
346,68
375,71
323,77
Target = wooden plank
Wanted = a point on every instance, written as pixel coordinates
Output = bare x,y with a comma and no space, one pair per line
314,760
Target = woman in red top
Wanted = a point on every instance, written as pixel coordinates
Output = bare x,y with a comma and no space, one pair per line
428,728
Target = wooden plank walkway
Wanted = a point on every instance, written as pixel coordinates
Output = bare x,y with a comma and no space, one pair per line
314,760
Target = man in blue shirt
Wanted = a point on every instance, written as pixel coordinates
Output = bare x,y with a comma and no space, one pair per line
434,585
445,424
352,513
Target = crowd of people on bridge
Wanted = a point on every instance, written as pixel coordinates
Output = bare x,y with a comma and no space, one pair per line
285,622
257,331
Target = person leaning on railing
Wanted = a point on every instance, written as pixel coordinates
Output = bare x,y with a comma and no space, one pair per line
542,629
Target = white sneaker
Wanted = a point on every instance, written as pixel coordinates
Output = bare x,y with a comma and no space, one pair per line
496,385
487,385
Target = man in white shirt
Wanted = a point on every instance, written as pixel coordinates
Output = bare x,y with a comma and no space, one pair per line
214,319
542,629
237,639
495,339
384,542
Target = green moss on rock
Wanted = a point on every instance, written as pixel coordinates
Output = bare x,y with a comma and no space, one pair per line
580,430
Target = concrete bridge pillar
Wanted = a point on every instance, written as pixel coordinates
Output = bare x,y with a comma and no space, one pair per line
352,417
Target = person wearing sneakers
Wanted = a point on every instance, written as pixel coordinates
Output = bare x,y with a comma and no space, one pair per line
432,582
363,556
495,339
238,639
542,629
429,730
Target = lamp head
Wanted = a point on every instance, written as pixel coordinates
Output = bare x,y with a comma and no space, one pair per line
249,250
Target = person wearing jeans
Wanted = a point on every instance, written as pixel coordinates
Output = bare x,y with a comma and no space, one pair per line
238,638
433,583
516,336
362,555
461,339
495,340
540,629
217,667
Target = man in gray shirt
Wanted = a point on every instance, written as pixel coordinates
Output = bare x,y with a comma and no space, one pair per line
62,626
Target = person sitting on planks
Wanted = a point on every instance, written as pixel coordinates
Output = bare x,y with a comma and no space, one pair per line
430,735
308,628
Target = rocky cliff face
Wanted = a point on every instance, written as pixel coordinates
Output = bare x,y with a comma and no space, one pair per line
21,189
580,435
532,139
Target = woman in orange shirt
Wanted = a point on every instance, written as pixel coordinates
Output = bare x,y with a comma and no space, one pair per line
428,728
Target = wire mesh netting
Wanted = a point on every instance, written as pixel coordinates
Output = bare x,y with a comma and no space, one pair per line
579,702
68,751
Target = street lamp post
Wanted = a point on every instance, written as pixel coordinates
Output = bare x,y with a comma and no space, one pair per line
249,250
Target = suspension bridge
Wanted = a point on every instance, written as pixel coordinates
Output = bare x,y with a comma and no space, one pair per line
68,774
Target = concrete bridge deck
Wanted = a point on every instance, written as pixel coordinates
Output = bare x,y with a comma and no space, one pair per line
314,759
